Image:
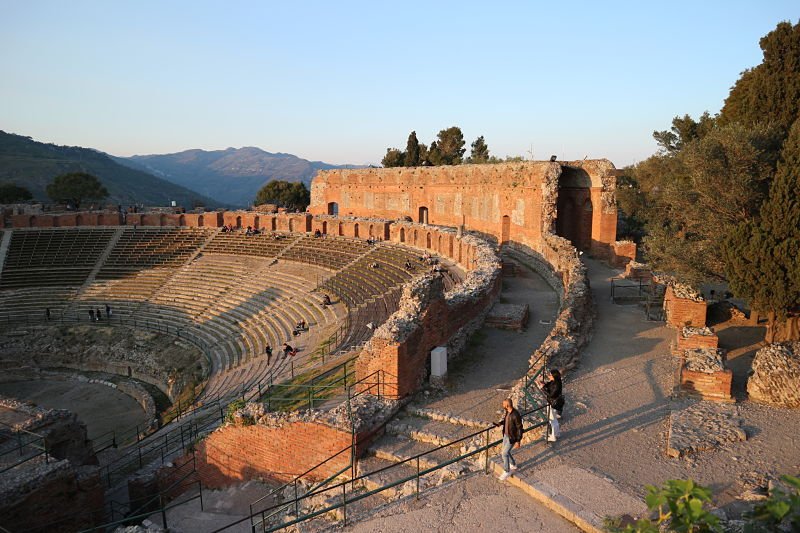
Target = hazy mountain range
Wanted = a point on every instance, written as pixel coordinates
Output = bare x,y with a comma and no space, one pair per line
231,176
33,165
219,178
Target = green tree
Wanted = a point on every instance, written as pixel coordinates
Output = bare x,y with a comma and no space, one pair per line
435,156
684,130
769,92
11,193
412,154
393,158
761,255
291,195
694,198
76,187
451,146
479,152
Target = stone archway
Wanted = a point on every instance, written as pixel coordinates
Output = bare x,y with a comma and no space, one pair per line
324,227
355,230
200,221
574,194
402,234
238,222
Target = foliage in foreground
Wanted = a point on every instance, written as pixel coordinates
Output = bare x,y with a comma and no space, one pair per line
680,506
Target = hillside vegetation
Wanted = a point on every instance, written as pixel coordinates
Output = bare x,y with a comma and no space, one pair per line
33,165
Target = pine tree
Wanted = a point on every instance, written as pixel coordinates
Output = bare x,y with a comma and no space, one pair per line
761,256
451,145
479,152
393,158
412,157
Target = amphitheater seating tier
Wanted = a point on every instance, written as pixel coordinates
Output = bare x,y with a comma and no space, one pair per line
142,248
225,292
52,257
238,243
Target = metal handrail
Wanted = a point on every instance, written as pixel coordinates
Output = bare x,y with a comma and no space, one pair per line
420,472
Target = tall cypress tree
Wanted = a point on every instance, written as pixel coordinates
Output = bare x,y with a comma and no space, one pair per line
762,256
412,158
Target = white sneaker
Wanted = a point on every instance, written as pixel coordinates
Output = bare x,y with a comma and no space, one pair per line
551,438
504,476
513,467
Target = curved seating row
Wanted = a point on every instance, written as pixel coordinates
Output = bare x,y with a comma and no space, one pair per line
232,299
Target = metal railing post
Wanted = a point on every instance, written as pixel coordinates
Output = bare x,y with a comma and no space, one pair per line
418,477
486,457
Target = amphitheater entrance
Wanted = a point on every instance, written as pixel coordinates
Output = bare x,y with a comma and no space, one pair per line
574,208
333,208
423,215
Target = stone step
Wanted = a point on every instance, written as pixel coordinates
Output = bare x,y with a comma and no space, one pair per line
426,430
397,449
445,417
381,472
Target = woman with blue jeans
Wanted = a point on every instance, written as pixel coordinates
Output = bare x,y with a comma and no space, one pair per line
512,435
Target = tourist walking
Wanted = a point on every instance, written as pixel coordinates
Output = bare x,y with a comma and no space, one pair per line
47,313
268,351
512,436
98,316
91,315
108,311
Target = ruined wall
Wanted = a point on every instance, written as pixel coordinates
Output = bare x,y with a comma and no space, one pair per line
428,317
776,375
50,495
684,306
508,201
282,446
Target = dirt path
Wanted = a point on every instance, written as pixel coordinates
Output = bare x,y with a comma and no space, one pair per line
618,403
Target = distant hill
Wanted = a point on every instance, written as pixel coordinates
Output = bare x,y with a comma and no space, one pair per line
233,175
33,165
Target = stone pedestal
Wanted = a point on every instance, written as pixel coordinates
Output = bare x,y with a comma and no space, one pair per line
439,365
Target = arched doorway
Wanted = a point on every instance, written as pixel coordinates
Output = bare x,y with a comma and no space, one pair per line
505,232
428,241
162,220
325,227
355,230
200,221
423,215
256,222
291,224
333,208
181,220
341,230
79,220
238,222
402,234
574,207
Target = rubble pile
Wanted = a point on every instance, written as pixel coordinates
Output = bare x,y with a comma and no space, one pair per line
776,375
703,426
705,360
691,331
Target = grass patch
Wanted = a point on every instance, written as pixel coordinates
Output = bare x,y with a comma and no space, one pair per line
311,388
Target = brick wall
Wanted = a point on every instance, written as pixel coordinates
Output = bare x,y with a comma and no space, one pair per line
696,341
509,201
233,454
713,386
683,311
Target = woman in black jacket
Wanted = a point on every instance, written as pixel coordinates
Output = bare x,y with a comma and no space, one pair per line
554,391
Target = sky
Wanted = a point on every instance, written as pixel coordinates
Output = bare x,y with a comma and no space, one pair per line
342,81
